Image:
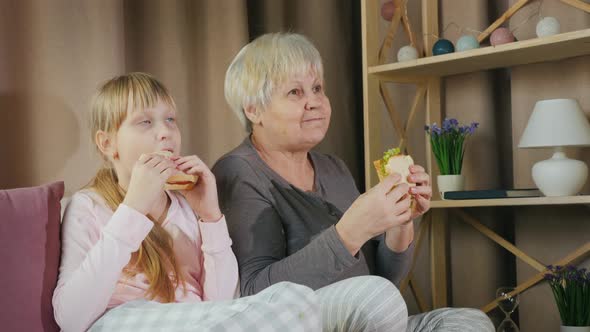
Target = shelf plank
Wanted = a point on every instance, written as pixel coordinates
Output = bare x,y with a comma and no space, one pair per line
551,48
564,200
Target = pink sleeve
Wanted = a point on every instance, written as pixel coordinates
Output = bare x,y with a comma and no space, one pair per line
93,257
220,268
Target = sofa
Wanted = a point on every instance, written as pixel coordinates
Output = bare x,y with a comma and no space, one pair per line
29,256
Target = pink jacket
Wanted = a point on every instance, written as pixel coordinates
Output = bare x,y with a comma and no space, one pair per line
97,244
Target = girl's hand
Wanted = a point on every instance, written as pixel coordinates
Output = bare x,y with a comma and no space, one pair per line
422,192
203,197
147,181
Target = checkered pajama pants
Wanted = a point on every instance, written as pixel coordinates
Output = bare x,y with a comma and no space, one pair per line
365,304
282,307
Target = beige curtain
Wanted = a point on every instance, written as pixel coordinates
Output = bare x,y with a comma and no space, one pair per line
53,55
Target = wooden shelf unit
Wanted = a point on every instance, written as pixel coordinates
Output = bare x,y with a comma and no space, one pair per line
427,73
551,48
565,200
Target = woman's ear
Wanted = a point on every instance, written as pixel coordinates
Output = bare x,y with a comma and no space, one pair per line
106,144
253,114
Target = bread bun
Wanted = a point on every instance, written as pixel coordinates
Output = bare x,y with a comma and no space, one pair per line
396,164
179,181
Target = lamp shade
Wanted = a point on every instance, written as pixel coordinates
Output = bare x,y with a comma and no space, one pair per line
556,122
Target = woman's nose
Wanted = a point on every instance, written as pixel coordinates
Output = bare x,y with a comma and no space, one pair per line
313,102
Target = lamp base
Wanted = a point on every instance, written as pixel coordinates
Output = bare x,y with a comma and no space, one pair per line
559,175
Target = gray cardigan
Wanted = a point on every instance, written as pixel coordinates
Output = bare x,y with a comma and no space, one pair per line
280,233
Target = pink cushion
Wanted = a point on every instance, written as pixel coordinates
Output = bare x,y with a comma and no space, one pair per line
29,256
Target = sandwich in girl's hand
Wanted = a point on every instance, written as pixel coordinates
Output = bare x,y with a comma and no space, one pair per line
181,180
394,162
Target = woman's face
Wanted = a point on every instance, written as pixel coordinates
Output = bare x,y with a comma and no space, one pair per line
298,115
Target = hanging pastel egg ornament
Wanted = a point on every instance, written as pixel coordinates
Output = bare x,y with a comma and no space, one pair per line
407,53
387,10
501,36
443,46
548,26
467,42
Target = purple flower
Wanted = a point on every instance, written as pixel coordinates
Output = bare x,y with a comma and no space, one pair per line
447,141
435,129
447,125
471,129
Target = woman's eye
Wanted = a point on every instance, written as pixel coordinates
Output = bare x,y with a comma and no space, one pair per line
146,122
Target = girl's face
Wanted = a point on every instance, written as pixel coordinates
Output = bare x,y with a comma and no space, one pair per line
145,131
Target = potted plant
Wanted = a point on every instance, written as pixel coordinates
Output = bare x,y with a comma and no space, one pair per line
448,147
571,289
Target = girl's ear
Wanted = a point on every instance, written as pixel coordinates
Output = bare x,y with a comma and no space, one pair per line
253,114
106,144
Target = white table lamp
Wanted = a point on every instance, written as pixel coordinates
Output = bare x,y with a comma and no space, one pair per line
558,123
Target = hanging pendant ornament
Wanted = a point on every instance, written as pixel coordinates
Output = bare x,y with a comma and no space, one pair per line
407,53
501,36
387,10
443,46
467,42
548,26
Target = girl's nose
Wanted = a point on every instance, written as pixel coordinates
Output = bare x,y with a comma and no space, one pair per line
163,132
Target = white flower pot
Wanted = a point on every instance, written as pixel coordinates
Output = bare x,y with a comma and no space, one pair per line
575,329
450,183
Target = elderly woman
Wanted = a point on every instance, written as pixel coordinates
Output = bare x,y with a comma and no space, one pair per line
296,215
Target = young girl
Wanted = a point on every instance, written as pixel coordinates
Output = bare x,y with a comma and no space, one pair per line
138,257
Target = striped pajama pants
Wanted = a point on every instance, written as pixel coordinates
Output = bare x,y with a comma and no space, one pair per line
373,303
365,303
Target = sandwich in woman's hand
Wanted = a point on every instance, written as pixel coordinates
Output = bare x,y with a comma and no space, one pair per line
394,162
181,180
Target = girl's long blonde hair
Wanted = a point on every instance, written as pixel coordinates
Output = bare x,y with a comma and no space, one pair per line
110,106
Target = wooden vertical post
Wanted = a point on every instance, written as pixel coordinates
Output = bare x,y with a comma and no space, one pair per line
438,258
371,99
438,229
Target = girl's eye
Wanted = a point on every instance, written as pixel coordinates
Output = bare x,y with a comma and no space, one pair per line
171,119
146,122
317,88
295,92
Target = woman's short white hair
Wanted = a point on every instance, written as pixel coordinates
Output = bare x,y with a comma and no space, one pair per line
264,64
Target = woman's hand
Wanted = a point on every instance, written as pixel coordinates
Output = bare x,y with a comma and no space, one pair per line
203,197
374,212
148,177
422,192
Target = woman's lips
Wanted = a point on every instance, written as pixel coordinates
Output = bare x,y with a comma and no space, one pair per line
313,120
